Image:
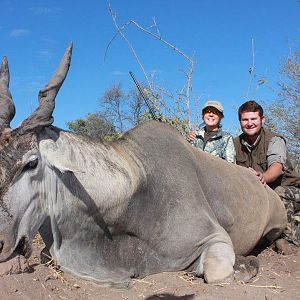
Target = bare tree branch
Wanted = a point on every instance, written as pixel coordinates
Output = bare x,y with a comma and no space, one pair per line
120,31
251,69
155,25
178,100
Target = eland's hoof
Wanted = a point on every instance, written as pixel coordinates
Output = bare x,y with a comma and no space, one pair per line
245,268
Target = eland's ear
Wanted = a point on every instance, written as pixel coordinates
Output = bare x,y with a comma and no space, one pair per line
57,158
7,108
43,115
59,161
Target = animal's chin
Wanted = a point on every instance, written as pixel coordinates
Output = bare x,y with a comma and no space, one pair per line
23,248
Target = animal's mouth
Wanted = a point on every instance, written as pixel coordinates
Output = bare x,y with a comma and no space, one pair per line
23,247
7,252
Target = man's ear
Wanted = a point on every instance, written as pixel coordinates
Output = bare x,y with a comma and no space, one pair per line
263,119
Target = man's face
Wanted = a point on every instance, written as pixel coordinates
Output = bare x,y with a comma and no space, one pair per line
251,123
211,117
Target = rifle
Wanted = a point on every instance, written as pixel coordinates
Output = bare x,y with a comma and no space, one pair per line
147,101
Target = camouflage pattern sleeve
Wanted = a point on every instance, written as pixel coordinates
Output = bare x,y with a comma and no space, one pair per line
230,154
198,142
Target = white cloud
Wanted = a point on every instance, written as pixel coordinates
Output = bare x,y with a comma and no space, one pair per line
45,54
117,73
44,10
28,84
48,40
15,33
155,72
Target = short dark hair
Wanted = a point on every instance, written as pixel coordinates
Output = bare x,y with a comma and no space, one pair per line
250,106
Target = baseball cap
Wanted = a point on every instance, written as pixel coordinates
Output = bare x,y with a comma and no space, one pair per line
215,104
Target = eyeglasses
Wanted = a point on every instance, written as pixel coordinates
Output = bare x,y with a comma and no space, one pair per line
209,110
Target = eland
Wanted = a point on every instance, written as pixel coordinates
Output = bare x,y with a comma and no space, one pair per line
112,211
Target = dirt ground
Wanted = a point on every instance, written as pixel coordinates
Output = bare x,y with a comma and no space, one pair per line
279,278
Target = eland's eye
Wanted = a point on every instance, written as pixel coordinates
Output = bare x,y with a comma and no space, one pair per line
32,164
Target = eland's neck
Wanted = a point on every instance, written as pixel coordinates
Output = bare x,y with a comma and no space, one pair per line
109,174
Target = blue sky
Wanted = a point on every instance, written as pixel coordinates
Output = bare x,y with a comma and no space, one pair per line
35,34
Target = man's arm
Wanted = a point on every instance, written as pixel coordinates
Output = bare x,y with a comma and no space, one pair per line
273,172
276,157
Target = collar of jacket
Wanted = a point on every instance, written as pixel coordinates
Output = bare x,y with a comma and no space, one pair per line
201,133
247,145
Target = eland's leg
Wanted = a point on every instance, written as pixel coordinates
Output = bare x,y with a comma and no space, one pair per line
216,263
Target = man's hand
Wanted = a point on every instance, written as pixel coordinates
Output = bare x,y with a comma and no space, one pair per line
191,136
260,176
272,173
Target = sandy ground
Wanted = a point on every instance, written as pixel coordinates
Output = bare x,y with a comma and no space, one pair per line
279,278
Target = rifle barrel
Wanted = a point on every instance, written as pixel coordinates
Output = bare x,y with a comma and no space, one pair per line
144,96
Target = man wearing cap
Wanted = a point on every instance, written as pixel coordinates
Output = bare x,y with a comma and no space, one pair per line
265,153
212,138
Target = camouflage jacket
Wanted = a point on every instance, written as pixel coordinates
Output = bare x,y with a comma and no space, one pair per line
220,145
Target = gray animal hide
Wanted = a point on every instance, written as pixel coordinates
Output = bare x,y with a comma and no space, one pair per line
109,212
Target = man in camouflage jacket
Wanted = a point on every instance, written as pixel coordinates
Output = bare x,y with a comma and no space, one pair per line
220,144
212,138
